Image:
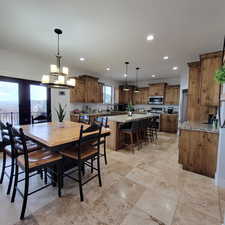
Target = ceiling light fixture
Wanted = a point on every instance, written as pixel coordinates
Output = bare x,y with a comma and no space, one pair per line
153,75
136,90
58,77
166,57
82,59
150,37
126,88
108,68
175,68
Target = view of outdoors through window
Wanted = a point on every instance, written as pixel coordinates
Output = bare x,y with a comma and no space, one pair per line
107,94
38,100
9,102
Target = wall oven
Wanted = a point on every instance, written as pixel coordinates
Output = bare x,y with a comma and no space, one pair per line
156,100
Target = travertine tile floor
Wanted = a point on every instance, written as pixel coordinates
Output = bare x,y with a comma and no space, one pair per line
145,188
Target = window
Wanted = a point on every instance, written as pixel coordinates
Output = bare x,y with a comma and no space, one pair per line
107,94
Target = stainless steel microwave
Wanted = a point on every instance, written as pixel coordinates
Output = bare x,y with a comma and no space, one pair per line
156,100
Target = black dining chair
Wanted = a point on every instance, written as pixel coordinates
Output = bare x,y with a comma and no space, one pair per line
31,163
82,152
43,118
102,121
84,119
9,151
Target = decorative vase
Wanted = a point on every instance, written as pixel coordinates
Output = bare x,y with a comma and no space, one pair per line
129,113
60,124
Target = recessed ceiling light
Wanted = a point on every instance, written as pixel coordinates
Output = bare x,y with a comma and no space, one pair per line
108,69
166,57
153,75
82,59
150,37
125,75
175,68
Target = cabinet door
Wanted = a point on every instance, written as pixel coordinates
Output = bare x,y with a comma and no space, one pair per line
77,93
209,153
163,122
172,95
100,93
126,97
193,108
209,86
190,149
157,89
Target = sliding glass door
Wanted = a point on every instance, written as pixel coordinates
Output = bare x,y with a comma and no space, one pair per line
38,101
20,100
9,102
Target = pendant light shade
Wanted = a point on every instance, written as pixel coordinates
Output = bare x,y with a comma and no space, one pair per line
126,88
136,90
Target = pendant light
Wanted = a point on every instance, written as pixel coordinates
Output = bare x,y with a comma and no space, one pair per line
136,90
58,77
126,88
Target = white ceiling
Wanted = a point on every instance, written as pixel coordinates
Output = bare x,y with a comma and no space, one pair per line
107,33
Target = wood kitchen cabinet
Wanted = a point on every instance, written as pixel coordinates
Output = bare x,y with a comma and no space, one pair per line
125,97
87,90
193,107
157,89
77,93
198,151
141,97
210,63
168,122
172,96
200,87
100,93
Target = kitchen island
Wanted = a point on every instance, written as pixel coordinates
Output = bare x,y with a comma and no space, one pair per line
116,140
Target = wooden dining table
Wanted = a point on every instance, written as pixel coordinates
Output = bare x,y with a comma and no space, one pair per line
53,136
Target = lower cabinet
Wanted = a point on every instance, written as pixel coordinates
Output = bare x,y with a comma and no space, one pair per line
198,151
168,123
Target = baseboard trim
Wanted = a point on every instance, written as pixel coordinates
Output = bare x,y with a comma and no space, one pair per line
219,181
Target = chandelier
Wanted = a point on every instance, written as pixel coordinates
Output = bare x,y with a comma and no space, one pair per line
58,76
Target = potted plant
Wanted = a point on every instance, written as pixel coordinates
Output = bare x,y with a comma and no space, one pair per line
220,75
130,109
61,113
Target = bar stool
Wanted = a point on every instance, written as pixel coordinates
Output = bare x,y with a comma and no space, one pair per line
132,133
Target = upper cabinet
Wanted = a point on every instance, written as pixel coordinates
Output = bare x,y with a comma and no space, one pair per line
125,97
193,109
157,89
172,95
77,93
141,97
209,86
87,90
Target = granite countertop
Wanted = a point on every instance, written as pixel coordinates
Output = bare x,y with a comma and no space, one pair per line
126,118
98,113
198,127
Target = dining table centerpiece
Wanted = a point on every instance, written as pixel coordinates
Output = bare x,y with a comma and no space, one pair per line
61,113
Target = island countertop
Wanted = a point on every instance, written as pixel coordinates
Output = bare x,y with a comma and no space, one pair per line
197,126
126,118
